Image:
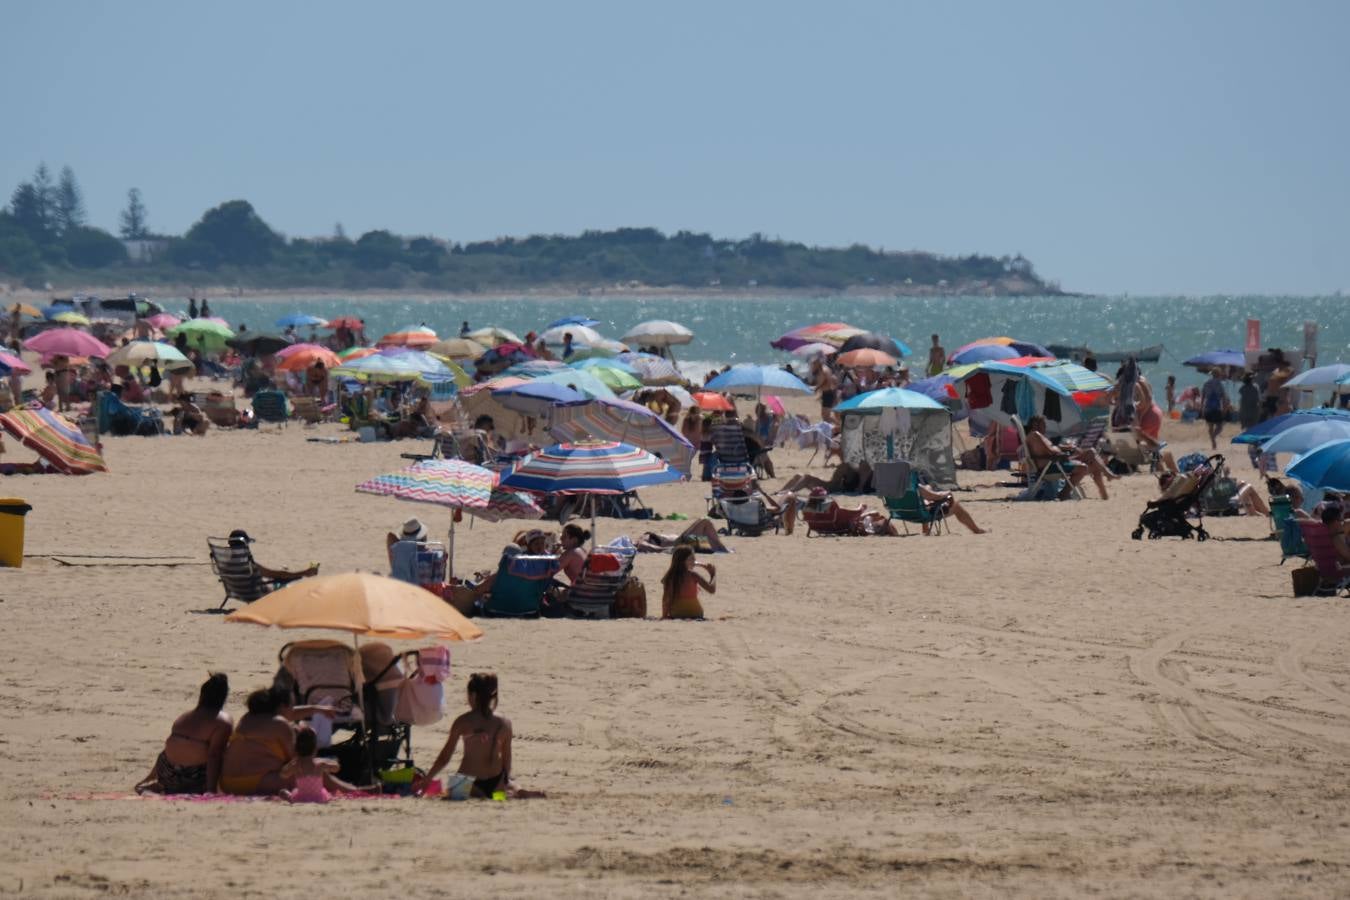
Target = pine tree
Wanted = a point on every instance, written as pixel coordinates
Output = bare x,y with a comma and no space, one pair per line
68,205
134,226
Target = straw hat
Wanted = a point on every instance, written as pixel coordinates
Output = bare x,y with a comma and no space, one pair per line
414,530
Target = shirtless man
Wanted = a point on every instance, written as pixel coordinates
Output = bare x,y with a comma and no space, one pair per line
937,358
828,388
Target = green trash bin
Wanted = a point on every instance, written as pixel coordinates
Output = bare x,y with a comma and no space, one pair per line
12,511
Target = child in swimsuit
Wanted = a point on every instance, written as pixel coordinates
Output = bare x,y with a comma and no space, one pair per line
312,778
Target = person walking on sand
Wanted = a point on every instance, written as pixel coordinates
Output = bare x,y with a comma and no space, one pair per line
937,358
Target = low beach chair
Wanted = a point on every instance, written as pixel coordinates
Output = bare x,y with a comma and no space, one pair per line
270,406
116,417
603,576
1053,474
307,410
221,410
238,574
748,516
729,481
827,517
1286,526
1333,575
898,485
518,591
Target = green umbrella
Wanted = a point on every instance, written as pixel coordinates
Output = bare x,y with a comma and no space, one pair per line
203,334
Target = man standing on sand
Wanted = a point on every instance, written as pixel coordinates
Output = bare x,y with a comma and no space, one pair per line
1214,406
937,358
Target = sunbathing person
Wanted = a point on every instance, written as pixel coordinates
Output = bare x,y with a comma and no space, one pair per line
262,744
191,759
866,521
701,533
1078,464
950,506
846,478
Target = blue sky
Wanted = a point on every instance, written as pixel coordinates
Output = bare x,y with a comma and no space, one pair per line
1143,147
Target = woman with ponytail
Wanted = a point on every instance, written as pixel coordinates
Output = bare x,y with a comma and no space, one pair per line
487,741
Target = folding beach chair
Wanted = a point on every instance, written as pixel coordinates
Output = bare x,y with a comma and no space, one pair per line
220,410
1053,473
1332,574
748,516
898,485
603,576
518,591
116,417
1286,526
270,406
736,480
1088,434
238,573
307,410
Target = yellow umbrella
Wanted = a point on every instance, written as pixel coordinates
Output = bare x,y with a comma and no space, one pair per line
24,309
362,603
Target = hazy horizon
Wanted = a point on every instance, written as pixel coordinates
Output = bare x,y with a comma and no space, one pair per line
1147,150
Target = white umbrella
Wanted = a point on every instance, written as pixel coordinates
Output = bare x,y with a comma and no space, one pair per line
491,336
135,354
581,336
658,333
1333,377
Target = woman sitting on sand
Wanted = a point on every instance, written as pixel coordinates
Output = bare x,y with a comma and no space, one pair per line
680,584
190,762
262,744
487,742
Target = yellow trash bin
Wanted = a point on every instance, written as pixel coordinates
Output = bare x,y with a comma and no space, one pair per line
12,512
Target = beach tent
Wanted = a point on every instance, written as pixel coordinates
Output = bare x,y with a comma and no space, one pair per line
997,391
899,424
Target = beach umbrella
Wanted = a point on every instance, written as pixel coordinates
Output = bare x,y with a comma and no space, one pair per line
593,363
24,309
258,344
806,351
1263,431
709,401
583,321
1070,377
11,363
658,333
866,358
203,334
356,353
614,377
888,398
1326,466
300,320
585,382
871,340
55,438
625,422
163,321
536,398
652,370
833,333
493,336
458,349
432,367
351,323
389,367
1023,348
135,354
299,357
67,342
1313,432
411,336
533,368
456,484
70,317
1031,385
759,380
978,353
940,387
582,336
1214,359
589,467
362,603
1335,377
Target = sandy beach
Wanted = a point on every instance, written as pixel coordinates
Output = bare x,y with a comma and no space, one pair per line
1049,710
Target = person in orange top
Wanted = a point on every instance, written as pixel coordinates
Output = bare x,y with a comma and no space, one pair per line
680,584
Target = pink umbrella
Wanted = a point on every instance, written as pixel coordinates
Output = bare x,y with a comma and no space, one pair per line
15,364
67,342
774,404
163,321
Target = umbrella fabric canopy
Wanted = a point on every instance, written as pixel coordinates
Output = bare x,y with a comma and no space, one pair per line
773,404
1023,348
712,402
351,323
533,368
597,362
492,336
163,321
203,334
816,349
584,321
356,353
55,438
1234,359
536,398
1326,466
140,353
300,320
11,363
589,467
1271,427
363,604
1064,376
67,342
412,336
759,380
652,370
1322,378
866,358
395,367
458,349
625,422
299,357
871,340
978,353
658,333
608,351
432,367
582,336
259,344
24,309
1313,432
940,387
585,382
888,398
615,378
833,333
70,317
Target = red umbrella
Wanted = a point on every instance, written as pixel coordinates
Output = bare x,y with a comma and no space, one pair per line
711,402
351,323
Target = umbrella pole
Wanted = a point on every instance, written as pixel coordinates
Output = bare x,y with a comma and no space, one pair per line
450,553
592,499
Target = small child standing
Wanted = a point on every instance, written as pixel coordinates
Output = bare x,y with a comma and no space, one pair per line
311,779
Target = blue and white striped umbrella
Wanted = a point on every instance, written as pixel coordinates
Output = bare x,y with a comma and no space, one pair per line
621,420
758,380
589,467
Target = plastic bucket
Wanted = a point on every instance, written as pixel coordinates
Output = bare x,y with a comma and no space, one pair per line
12,511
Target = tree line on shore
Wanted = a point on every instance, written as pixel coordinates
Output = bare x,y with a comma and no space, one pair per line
45,237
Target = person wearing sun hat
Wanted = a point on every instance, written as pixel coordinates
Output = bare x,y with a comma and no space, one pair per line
239,541
403,548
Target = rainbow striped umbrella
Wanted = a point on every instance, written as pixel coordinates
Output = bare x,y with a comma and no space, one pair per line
456,484
55,438
834,333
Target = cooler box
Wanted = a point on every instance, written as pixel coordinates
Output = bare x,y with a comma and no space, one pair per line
12,512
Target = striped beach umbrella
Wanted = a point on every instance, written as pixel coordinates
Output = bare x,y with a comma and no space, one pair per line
458,349
833,333
1023,348
626,422
55,438
411,336
653,370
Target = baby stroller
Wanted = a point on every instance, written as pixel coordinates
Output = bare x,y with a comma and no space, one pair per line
1167,517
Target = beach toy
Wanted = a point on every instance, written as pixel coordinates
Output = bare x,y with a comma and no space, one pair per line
499,796
459,787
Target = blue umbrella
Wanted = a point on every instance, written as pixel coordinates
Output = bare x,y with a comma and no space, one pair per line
1326,466
1235,359
1321,378
583,321
536,398
758,380
1271,427
888,398
533,368
300,320
599,363
51,312
978,353
1312,432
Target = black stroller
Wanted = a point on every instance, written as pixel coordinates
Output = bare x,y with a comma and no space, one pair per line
1168,517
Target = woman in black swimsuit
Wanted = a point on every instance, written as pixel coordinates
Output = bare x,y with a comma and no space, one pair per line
487,741
190,760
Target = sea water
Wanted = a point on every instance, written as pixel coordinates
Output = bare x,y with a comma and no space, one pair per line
733,329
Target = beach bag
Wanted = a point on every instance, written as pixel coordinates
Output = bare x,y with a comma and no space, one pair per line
1306,581
631,601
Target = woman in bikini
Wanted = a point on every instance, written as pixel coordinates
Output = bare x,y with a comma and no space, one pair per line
1079,464
191,759
680,585
262,744
487,742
